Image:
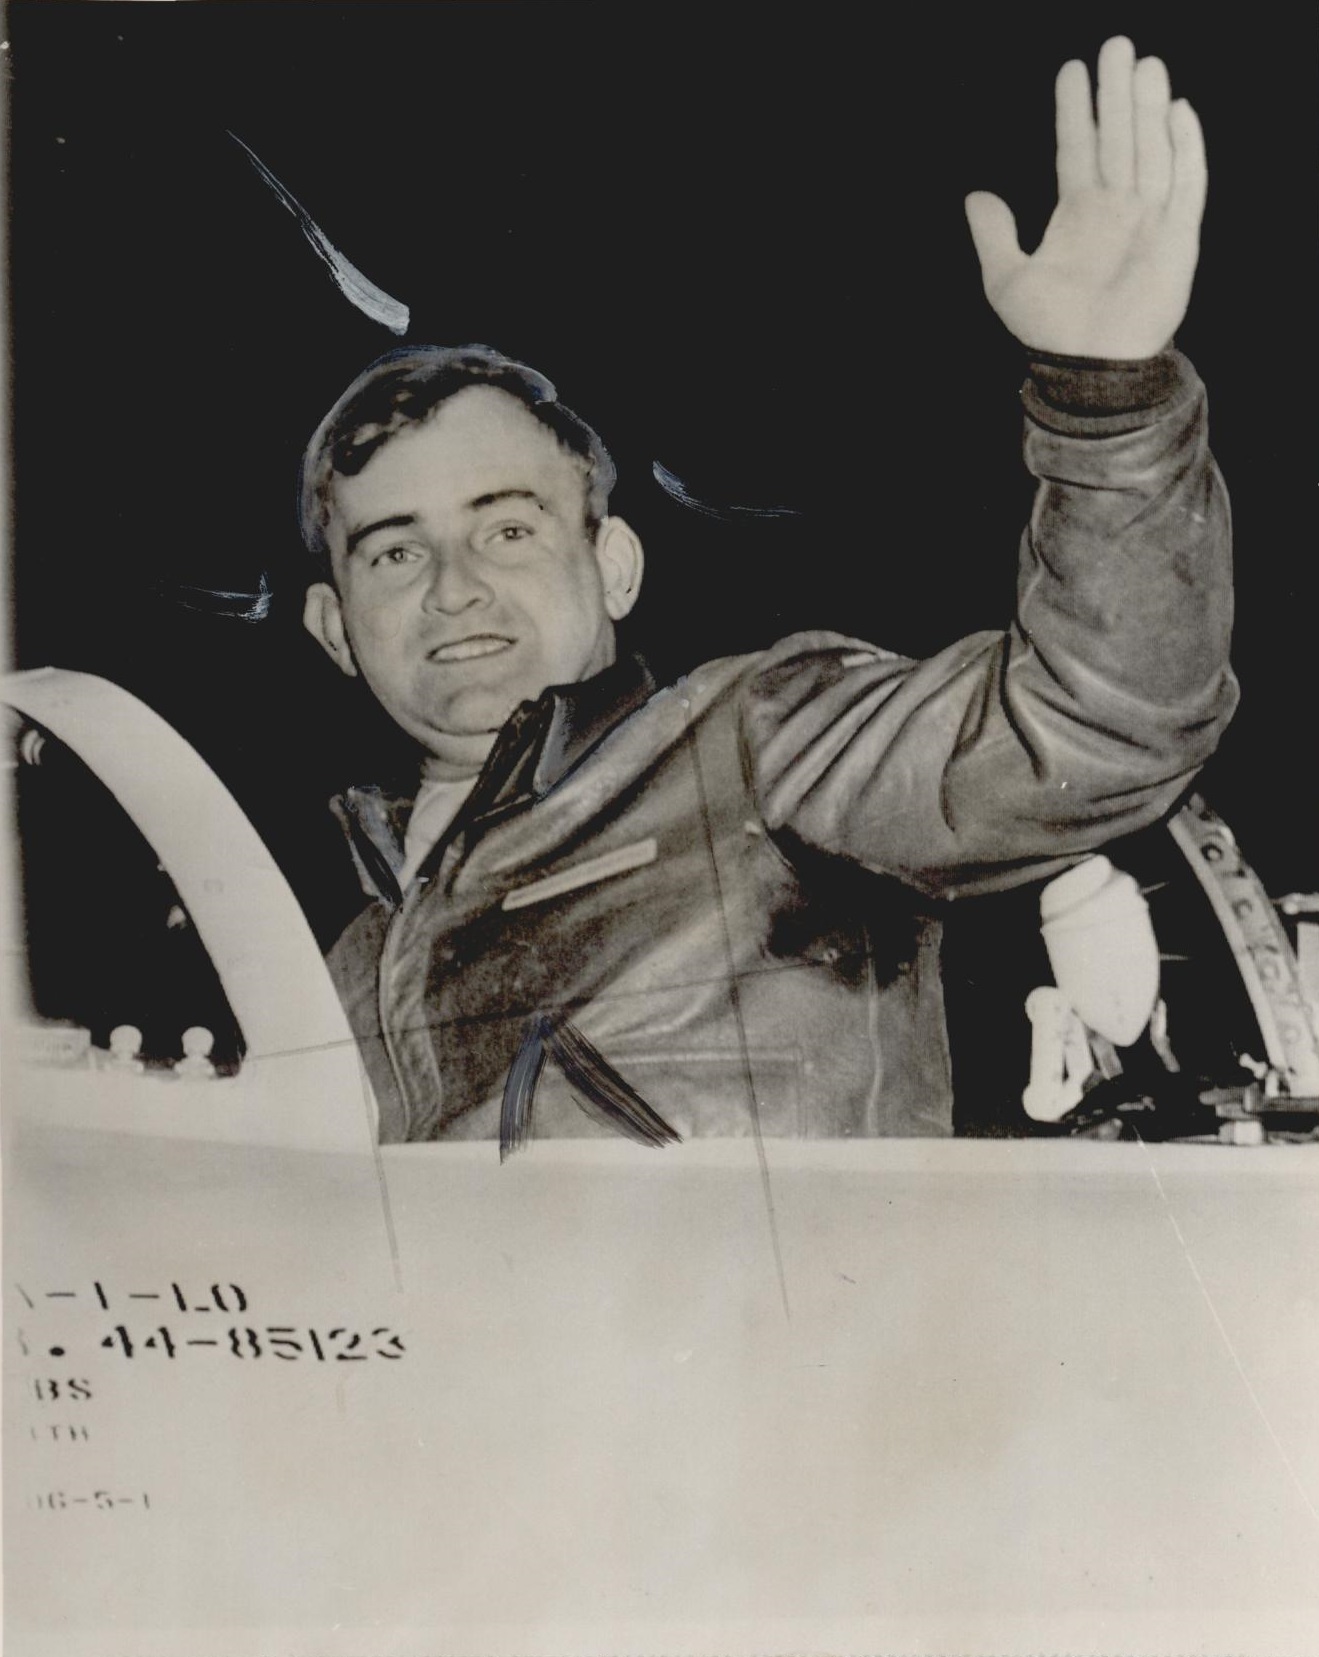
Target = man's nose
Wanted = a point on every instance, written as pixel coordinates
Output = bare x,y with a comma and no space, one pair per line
456,583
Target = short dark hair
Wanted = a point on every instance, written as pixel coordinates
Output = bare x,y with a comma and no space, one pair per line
405,387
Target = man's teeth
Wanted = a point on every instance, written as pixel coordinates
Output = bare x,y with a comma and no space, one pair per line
463,650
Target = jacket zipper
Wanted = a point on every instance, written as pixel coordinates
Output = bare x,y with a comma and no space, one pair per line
384,979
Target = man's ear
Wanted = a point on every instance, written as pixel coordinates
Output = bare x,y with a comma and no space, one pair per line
621,560
323,619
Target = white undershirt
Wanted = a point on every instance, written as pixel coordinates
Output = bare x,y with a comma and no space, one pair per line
436,807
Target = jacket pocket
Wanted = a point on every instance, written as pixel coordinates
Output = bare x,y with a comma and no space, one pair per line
708,1093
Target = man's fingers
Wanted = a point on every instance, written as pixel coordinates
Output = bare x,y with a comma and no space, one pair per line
1117,59
1190,176
994,232
1078,163
1153,140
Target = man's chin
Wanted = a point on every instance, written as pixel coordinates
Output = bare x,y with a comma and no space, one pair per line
462,732
452,754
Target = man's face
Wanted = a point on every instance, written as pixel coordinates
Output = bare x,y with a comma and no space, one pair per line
466,580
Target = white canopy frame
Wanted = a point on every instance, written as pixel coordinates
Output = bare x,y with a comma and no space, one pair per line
245,913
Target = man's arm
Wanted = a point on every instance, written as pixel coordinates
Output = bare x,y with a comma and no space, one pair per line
1008,754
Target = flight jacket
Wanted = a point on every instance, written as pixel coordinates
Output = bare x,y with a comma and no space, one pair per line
730,887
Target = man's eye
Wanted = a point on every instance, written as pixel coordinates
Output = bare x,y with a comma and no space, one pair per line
506,534
393,555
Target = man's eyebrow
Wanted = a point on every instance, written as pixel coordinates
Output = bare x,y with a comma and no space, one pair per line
402,520
405,520
493,499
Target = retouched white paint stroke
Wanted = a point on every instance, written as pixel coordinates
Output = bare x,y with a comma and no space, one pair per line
674,486
359,290
215,601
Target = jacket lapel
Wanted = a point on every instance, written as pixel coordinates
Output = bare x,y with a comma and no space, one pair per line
538,746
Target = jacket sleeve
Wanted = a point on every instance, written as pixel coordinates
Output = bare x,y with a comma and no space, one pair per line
1007,755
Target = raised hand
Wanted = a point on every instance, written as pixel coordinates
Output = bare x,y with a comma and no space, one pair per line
1112,276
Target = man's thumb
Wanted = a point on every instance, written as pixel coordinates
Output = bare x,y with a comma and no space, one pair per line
994,232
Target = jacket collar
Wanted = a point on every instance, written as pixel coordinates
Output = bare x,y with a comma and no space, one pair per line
536,749
544,740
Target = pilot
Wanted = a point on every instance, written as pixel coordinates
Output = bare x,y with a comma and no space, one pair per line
711,907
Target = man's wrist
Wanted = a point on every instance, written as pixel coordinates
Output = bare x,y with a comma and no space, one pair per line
1092,387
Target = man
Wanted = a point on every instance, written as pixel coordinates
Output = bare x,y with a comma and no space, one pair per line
708,905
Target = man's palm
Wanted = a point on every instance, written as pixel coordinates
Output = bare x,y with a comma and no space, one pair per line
1112,276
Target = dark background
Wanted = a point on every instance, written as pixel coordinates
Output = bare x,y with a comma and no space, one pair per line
733,236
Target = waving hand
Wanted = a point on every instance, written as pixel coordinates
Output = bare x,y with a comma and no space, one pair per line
1112,276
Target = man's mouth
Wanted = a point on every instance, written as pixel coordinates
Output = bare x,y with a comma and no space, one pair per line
470,649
